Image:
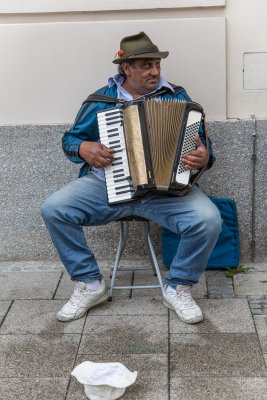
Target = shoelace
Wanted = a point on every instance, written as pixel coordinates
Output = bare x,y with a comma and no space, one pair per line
76,297
184,300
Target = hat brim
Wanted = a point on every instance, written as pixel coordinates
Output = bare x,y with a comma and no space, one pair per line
159,54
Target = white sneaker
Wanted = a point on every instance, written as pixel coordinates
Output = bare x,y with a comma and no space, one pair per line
183,304
81,301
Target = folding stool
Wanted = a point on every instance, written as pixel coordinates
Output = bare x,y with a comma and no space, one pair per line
124,228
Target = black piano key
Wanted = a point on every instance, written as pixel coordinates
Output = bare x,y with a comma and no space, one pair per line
115,147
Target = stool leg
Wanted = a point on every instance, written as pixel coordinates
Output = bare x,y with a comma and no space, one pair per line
151,252
146,235
121,246
125,231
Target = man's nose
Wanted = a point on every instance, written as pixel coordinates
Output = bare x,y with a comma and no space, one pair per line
154,70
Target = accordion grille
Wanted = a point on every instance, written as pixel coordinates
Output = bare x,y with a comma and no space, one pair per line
164,120
134,142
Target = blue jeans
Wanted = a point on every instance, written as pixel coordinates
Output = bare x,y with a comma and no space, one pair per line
83,202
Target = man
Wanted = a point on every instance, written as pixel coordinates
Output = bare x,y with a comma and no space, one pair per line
84,201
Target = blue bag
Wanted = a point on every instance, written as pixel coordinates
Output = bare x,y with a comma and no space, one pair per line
226,251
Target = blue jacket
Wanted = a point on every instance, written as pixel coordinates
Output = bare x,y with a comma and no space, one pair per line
85,126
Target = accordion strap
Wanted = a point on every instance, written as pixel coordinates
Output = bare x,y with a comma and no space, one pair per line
102,98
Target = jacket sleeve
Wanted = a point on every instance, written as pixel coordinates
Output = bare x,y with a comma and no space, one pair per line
84,128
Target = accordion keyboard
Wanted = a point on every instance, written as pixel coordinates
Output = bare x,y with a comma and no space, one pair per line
111,134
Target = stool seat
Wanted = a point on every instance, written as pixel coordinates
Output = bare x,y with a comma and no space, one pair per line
124,229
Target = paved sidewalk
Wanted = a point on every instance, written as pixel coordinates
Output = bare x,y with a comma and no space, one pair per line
223,357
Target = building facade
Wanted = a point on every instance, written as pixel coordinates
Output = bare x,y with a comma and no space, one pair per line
55,54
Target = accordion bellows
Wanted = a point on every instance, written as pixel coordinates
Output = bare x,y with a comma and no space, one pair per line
164,120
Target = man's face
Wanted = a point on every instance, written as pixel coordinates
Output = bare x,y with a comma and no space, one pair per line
144,75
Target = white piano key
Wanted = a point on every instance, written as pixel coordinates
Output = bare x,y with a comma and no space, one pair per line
110,117
119,199
119,181
108,125
118,192
129,191
111,171
110,110
121,184
109,133
120,144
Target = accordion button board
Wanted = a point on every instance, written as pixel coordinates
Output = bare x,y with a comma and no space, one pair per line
189,144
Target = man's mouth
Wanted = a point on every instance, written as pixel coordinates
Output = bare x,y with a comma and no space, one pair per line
152,80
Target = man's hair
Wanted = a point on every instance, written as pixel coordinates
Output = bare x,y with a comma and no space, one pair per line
120,68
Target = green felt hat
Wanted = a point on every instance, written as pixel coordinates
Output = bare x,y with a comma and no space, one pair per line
138,46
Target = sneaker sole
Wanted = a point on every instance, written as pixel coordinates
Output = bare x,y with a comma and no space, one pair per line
68,319
187,321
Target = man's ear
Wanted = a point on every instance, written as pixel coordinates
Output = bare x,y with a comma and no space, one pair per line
126,68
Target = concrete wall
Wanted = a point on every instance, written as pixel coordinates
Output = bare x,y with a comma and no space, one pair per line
55,53
33,166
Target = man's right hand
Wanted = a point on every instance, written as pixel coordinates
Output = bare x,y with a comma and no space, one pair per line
96,154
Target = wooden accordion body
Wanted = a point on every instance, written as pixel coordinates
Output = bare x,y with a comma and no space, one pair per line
157,133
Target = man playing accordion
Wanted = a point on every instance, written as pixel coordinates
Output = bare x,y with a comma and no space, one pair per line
84,202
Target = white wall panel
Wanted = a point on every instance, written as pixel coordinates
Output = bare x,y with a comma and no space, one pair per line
40,6
47,70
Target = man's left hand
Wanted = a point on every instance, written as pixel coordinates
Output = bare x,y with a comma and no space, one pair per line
197,158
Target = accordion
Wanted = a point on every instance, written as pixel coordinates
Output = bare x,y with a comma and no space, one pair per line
149,138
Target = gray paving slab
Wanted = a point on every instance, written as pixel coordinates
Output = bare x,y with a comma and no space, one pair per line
253,282
199,290
46,356
38,316
41,265
66,285
132,334
215,355
147,278
134,306
220,316
219,389
219,285
261,327
33,388
65,288
4,306
28,284
258,306
143,277
124,278
151,382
